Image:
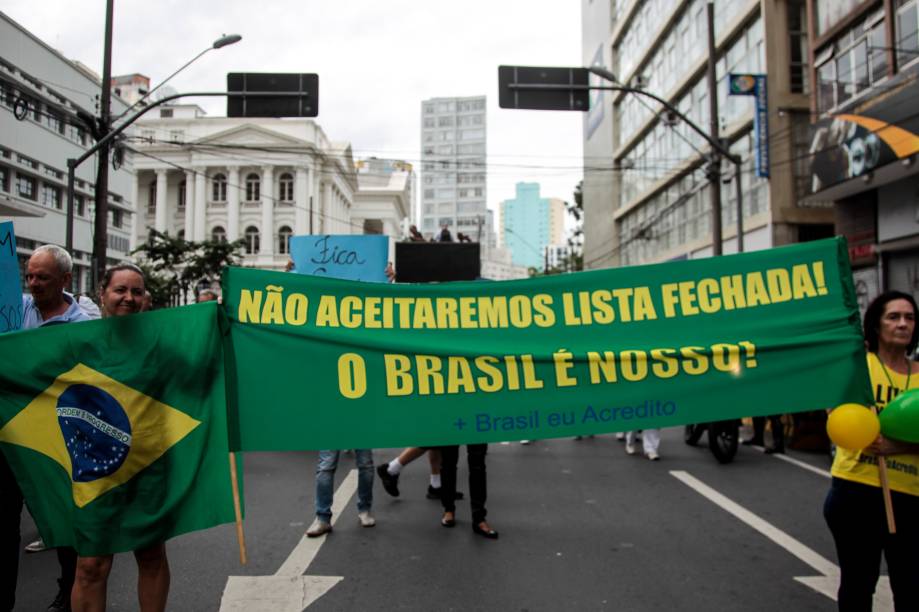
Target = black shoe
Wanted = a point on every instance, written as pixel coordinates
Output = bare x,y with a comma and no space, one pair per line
778,450
489,533
752,442
390,482
434,493
61,602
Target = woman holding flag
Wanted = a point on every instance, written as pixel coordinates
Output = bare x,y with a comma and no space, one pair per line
854,508
122,293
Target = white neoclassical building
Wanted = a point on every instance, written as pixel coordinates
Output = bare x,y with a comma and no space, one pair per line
262,180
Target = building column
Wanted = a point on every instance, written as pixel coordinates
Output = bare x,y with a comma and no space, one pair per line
267,197
325,219
232,203
200,203
316,193
160,223
189,204
302,194
136,218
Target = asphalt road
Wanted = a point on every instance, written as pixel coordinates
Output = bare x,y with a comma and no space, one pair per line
583,526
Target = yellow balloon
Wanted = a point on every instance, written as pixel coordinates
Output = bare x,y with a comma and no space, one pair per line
853,426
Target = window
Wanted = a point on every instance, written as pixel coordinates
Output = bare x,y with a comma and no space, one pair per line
218,234
252,240
25,161
176,136
79,205
166,113
151,196
286,185
183,185
25,186
148,136
907,33
4,178
117,217
253,184
284,235
54,121
219,188
51,196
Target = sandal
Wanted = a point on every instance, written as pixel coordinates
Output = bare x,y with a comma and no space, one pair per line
448,520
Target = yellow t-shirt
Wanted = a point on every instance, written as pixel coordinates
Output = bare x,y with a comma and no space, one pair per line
860,466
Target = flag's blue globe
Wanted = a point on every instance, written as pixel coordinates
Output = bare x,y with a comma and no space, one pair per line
96,430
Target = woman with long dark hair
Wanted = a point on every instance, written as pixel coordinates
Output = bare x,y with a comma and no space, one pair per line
854,508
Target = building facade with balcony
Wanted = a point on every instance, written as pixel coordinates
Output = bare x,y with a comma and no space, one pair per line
646,192
865,136
261,180
40,94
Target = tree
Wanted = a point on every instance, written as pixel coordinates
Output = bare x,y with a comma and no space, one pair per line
174,266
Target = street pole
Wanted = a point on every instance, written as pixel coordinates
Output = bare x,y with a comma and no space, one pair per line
100,225
714,168
739,186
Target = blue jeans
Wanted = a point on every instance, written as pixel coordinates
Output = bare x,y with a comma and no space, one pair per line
325,481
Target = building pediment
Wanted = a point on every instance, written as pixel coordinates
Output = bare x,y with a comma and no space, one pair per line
253,135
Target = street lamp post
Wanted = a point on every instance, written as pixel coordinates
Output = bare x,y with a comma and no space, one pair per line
570,81
105,134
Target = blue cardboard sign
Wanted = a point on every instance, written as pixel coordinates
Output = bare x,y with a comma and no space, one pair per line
350,256
10,286
755,85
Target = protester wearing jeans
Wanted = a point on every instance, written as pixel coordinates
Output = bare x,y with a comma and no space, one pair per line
325,484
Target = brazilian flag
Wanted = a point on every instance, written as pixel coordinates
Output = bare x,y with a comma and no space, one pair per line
116,429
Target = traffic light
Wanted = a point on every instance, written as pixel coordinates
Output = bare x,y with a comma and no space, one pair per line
300,94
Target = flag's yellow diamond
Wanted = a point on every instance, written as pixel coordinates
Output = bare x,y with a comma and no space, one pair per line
98,429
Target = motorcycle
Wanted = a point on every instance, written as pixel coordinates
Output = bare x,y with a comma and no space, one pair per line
723,437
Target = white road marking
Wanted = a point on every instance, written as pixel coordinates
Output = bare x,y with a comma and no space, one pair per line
793,461
289,590
826,583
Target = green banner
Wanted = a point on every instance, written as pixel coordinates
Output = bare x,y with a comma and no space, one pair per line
326,363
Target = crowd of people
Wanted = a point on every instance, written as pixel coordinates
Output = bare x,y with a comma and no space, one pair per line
854,507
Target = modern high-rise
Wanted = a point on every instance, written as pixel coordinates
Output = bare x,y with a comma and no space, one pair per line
647,196
530,224
453,168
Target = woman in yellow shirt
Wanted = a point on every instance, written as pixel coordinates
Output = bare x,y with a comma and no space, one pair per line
854,508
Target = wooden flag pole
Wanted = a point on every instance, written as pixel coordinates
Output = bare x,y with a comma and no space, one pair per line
885,487
237,509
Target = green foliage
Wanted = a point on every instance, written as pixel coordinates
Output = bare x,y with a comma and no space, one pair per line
174,266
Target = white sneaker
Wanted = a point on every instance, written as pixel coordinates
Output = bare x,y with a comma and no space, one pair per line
36,546
366,519
318,528
652,455
620,436
630,448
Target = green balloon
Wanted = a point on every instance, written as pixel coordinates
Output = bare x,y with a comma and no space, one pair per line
900,418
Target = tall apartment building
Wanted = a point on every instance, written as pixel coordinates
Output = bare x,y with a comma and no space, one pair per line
646,195
40,94
864,58
530,224
453,168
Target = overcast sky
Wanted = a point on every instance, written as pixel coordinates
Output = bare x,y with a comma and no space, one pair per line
376,62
